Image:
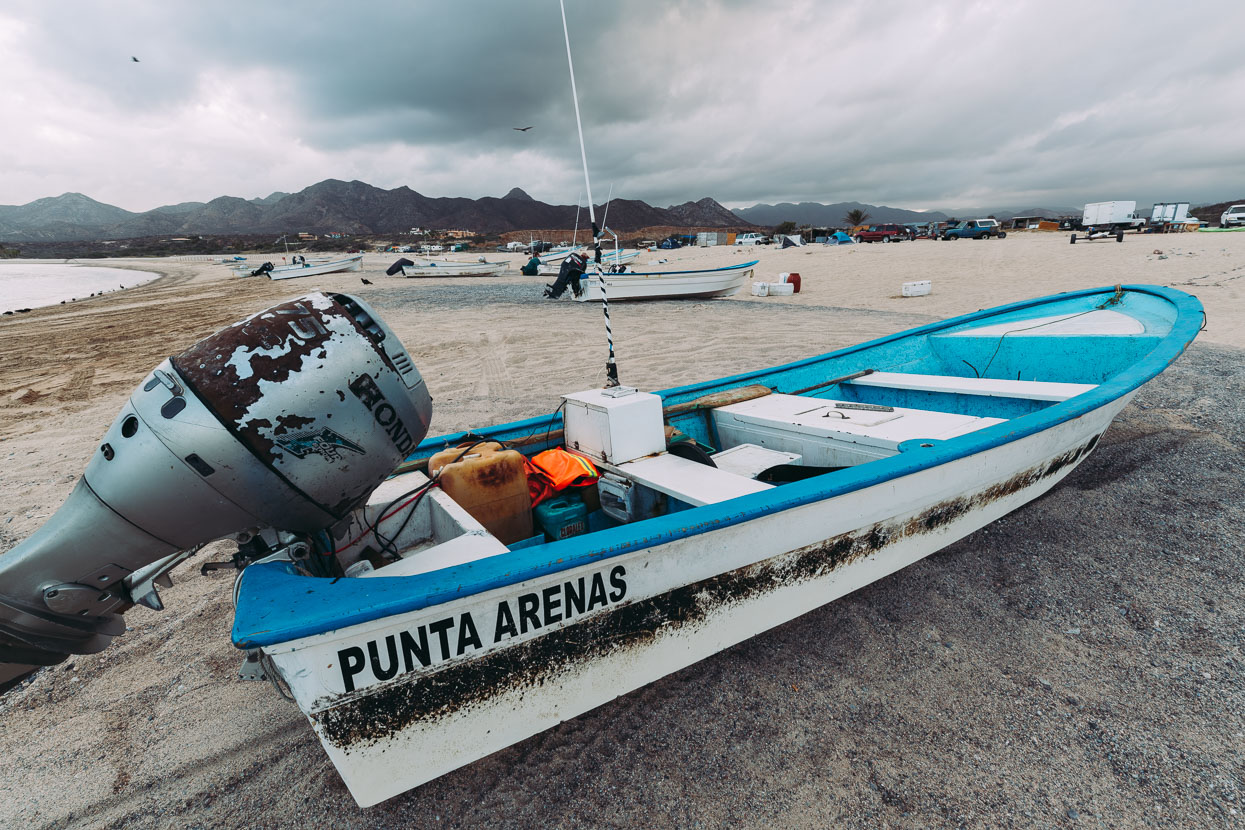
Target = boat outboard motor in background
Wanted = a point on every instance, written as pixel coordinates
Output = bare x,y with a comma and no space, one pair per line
397,266
275,427
266,268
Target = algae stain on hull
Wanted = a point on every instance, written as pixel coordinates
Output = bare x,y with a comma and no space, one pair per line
370,716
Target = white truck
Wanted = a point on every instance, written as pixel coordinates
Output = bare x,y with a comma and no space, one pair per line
1232,217
751,239
1106,219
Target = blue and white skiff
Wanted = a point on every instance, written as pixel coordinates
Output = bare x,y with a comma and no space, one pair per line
668,285
469,645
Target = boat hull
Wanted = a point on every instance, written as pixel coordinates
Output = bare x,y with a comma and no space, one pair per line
550,266
456,269
407,677
312,269
673,285
662,608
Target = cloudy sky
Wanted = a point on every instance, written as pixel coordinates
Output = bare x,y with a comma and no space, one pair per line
918,105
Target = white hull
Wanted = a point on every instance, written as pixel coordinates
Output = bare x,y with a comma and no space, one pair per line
664,608
312,269
656,286
451,268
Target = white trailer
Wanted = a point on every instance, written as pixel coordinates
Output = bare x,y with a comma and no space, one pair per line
1109,219
1109,213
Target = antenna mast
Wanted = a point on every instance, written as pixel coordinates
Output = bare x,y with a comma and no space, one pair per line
611,368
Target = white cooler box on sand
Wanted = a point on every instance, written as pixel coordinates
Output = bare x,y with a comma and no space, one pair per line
917,289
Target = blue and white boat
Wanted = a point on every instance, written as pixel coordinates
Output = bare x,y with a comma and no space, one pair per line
889,450
700,284
551,262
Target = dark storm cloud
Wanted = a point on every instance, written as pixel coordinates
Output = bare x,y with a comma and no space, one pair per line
1020,103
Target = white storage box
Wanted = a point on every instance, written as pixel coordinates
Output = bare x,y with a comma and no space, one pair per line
917,289
614,425
781,289
760,289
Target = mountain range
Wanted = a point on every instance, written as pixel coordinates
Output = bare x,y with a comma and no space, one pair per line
334,206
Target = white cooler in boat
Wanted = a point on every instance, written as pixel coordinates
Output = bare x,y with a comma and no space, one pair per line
614,425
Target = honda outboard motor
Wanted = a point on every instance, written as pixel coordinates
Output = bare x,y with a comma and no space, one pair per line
286,420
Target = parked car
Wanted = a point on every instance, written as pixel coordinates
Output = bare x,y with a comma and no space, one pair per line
1232,217
751,239
974,229
884,233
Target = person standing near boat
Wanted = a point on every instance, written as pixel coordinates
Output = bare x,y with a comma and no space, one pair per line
570,272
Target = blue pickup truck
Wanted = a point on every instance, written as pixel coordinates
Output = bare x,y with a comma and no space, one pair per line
974,229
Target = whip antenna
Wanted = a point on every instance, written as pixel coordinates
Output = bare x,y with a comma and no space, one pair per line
611,368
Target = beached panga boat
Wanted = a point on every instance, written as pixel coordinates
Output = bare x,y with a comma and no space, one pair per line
551,263
304,268
889,450
455,268
668,285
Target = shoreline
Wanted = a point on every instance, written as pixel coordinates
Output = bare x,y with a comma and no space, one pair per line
23,307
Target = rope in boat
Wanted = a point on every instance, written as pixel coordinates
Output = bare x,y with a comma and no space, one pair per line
1114,299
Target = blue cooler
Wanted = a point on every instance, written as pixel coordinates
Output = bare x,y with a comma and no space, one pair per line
563,516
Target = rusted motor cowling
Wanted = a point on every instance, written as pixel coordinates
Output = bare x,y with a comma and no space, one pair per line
287,419
321,392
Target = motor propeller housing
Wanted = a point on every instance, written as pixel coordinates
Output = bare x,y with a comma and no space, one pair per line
287,419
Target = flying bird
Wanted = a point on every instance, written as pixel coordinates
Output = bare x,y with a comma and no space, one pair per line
136,60
522,129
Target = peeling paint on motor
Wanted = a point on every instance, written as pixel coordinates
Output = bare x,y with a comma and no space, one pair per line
265,379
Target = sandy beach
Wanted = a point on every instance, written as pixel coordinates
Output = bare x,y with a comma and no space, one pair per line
1077,664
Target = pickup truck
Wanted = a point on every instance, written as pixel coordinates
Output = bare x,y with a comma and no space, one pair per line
974,229
884,233
751,239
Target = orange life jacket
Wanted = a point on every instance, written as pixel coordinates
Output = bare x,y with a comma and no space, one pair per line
552,471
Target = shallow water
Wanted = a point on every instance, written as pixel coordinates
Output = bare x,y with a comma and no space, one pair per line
29,285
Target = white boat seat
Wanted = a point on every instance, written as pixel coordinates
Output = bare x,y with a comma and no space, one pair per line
470,547
1034,390
688,481
827,433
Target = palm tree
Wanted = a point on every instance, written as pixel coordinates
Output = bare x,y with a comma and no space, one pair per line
856,216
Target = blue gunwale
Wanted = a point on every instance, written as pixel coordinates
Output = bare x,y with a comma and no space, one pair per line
276,605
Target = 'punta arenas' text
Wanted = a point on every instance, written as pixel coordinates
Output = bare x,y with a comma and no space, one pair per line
454,636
